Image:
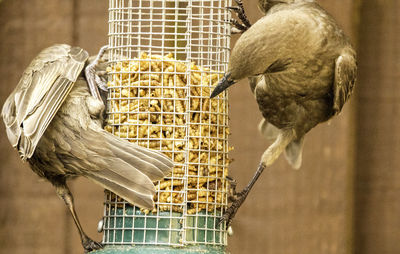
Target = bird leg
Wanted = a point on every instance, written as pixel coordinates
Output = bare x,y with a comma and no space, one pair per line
240,198
93,79
232,194
64,193
282,140
239,9
269,157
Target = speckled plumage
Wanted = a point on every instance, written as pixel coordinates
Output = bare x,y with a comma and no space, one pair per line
300,64
55,123
301,68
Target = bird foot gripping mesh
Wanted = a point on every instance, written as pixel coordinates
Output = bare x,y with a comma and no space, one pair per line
165,58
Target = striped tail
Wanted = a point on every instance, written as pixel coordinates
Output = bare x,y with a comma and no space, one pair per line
125,168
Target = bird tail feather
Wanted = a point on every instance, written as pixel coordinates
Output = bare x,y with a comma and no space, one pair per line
294,151
126,191
269,131
127,169
284,137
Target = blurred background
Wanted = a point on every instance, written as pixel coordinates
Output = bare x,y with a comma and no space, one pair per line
344,199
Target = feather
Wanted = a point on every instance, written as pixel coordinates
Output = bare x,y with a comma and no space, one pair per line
152,166
293,153
142,200
39,94
36,122
269,131
344,80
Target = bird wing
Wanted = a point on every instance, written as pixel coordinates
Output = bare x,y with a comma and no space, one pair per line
39,94
128,169
75,144
344,80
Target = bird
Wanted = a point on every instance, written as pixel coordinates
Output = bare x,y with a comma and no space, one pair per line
301,69
54,118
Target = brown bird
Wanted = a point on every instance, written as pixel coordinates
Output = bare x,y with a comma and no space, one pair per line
55,122
301,68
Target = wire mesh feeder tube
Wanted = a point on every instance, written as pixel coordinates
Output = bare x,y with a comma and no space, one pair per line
165,58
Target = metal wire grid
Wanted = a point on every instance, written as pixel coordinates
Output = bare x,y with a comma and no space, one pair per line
194,31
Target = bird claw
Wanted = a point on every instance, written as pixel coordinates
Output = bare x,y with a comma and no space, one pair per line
90,245
232,194
93,78
101,81
237,200
237,27
239,10
235,9
225,217
230,213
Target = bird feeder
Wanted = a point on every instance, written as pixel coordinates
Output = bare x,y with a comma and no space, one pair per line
165,58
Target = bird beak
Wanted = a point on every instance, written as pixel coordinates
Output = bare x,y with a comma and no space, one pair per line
223,84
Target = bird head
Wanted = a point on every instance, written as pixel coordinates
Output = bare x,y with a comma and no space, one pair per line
223,84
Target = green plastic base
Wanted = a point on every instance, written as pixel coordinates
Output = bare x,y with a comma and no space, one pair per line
165,229
143,249
130,231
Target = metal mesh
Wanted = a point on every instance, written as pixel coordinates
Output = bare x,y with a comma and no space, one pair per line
165,56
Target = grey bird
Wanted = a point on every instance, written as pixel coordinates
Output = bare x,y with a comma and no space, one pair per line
302,70
54,119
